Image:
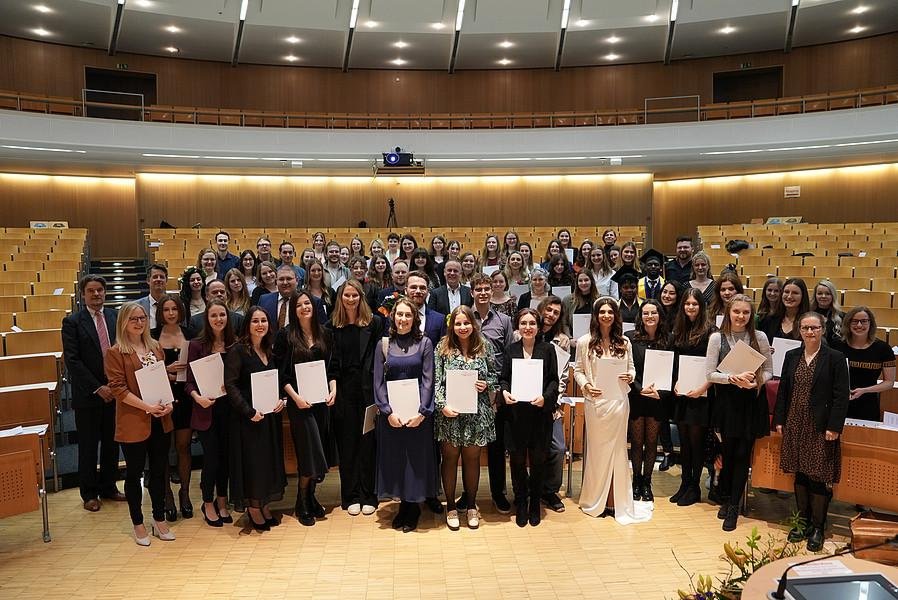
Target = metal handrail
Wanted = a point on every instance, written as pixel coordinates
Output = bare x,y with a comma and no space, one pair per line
527,120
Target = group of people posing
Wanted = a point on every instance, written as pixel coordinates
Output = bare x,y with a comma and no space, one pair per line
416,319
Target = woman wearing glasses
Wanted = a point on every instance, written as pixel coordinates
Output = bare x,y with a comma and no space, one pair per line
869,360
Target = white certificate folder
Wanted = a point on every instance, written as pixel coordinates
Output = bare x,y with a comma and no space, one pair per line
526,379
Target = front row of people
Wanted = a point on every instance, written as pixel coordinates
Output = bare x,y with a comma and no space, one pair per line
367,360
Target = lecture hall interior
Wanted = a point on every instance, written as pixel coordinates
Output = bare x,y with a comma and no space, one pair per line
232,231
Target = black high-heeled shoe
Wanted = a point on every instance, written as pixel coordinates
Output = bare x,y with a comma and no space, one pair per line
171,513
224,519
211,523
186,505
260,527
302,511
315,506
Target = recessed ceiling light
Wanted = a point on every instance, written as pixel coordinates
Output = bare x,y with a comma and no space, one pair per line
398,62
611,56
172,49
173,29
40,31
143,3
727,30
855,29
291,58
582,22
651,18
293,39
504,61
41,8
41,149
438,25
506,44
613,39
400,44
860,10
371,24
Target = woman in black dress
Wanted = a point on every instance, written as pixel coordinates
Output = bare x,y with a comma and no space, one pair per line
173,336
692,408
794,302
811,405
646,403
529,427
356,332
560,271
257,455
302,341
825,301
740,411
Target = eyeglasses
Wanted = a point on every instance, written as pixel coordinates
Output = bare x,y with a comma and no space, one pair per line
807,328
860,321
136,319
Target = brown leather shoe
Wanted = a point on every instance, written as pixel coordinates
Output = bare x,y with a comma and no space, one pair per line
92,505
116,496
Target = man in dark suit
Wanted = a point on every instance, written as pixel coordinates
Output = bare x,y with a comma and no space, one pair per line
433,324
277,304
400,275
157,278
216,290
446,298
86,335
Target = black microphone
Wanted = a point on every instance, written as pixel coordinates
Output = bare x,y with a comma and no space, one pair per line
780,592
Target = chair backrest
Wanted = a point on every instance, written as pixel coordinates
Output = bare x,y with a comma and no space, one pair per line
31,342
20,472
28,369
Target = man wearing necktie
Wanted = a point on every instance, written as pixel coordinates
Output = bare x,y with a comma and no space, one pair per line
276,304
86,336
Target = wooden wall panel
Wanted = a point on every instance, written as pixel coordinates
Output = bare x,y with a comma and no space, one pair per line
841,195
224,201
44,68
105,206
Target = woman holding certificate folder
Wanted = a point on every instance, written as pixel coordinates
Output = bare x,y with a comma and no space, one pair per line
304,340
142,429
257,457
406,466
210,417
529,428
604,370
740,410
463,431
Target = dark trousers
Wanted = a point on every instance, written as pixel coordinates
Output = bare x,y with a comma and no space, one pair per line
527,485
215,473
357,454
495,454
553,471
96,426
155,450
736,456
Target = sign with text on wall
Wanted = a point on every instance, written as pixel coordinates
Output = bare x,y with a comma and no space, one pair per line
792,191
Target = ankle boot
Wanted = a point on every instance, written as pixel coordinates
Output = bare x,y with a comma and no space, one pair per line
732,516
637,487
647,495
314,506
819,508
684,485
302,510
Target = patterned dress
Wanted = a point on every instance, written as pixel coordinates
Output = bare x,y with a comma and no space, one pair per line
805,449
466,429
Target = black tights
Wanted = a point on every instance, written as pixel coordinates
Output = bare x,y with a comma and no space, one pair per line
182,439
643,444
692,445
812,498
470,472
736,456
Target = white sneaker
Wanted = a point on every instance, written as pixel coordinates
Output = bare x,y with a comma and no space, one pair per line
452,520
354,509
367,509
473,518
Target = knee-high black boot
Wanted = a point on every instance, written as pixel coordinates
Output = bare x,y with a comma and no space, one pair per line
803,502
819,507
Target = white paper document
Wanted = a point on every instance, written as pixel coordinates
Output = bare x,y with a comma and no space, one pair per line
181,374
569,252
890,418
740,359
265,390
311,381
404,396
823,568
58,291
658,369
562,358
154,385
562,291
629,327
718,320
526,379
518,289
607,378
209,375
370,415
581,325
691,375
461,393
489,270
780,347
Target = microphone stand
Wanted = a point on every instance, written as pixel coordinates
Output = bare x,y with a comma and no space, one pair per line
779,594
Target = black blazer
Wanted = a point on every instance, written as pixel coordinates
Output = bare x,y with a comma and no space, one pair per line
83,357
829,391
439,298
544,351
369,338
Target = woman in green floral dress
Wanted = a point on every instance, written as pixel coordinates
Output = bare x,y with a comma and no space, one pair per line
464,434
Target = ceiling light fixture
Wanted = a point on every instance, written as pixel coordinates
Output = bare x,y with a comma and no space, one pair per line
244,6
173,29
172,49
674,9
857,29
651,18
860,10
400,44
438,25
41,149
293,40
613,39
354,14
506,44
372,24
460,15
144,3
152,155
582,22
504,61
42,8
611,56
230,157
727,30
398,62
565,13
40,31
291,58
795,2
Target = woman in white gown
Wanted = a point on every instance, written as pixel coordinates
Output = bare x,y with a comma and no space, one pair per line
607,487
